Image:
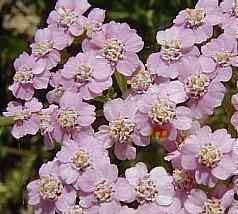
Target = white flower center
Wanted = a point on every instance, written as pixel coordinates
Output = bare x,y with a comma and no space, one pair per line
67,17
223,58
103,192
22,115
24,75
75,210
93,27
183,180
195,17
197,85
50,188
45,121
162,112
113,50
171,50
81,159
141,82
121,129
43,48
209,156
212,206
83,74
146,190
68,118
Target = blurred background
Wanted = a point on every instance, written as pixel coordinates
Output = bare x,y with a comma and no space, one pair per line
19,19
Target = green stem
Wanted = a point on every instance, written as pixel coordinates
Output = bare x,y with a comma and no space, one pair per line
6,121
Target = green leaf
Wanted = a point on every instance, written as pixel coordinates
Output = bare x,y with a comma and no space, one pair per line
6,121
122,83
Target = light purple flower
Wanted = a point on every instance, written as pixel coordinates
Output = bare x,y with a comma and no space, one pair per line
154,187
49,194
158,108
198,202
223,51
201,19
78,157
105,188
68,16
56,82
29,75
48,42
72,118
117,43
80,209
95,21
210,155
176,44
230,27
122,130
25,117
87,75
140,81
46,117
229,8
203,87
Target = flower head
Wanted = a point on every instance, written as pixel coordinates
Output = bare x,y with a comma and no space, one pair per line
119,45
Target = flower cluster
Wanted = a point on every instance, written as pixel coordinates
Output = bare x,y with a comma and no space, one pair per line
169,100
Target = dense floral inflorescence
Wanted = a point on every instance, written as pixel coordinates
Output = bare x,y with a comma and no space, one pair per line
169,100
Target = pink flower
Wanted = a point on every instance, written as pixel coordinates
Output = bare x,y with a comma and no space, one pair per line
48,42
210,155
78,209
230,27
158,109
46,117
203,87
25,117
229,8
95,21
29,75
87,75
198,202
72,118
223,51
122,130
201,19
151,187
78,157
118,44
176,44
105,188
68,16
140,81
49,194
56,82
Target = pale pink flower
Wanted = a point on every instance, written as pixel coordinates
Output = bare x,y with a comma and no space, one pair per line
118,44
49,194
198,202
26,120
47,45
87,75
201,19
122,131
176,44
210,155
68,16
30,75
